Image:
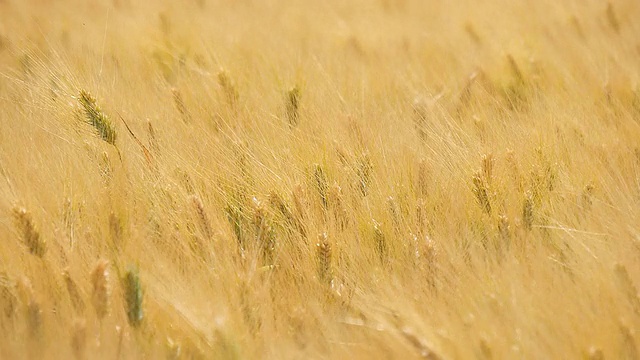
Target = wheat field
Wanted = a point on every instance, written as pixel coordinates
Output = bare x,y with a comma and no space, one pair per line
391,179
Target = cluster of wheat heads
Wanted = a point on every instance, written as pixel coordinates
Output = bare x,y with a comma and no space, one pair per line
335,179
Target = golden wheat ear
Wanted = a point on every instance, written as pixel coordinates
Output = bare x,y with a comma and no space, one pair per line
31,235
101,289
323,256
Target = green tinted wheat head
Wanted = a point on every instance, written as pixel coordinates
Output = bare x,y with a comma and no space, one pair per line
96,118
292,105
133,297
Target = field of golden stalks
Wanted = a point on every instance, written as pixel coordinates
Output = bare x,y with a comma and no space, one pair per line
261,179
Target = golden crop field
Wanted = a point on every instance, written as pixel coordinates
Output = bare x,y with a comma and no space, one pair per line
261,179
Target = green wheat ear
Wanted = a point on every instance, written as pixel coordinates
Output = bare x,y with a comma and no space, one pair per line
97,119
133,297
